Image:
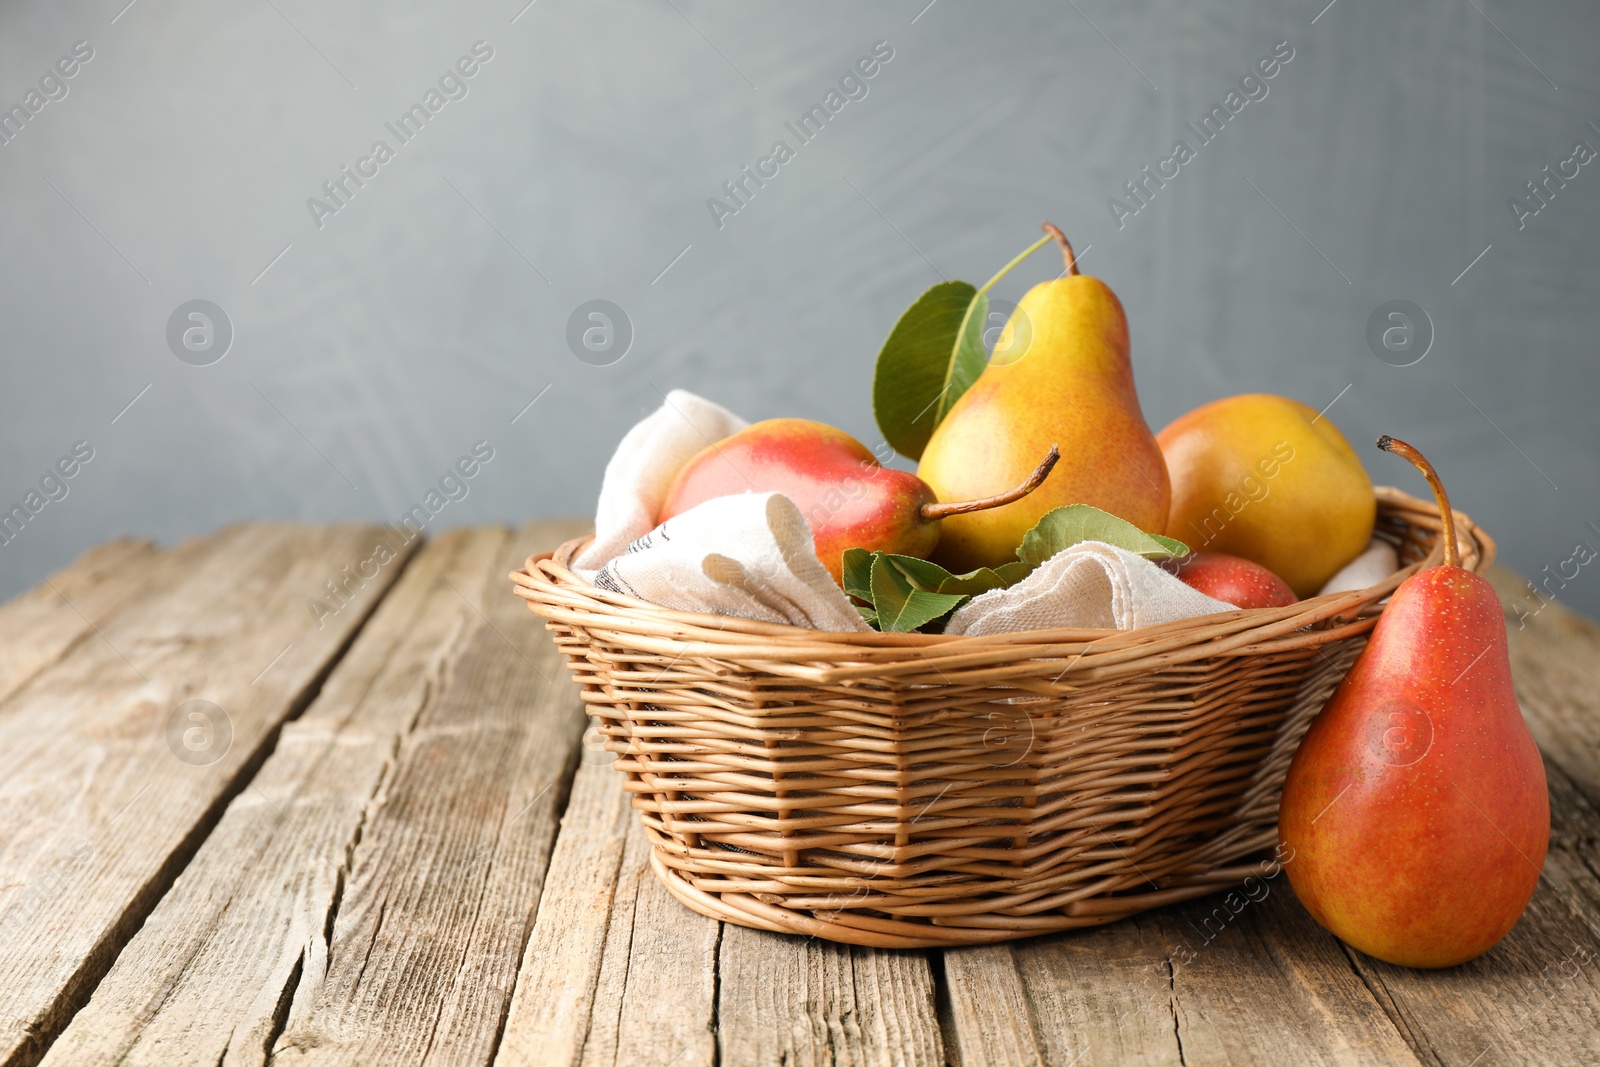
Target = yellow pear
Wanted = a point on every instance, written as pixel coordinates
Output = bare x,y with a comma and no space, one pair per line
1269,479
1061,374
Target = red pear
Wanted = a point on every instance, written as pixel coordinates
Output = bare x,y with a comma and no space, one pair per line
850,500
1415,813
1234,580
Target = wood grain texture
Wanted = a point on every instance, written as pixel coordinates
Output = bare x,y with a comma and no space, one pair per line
210,972
1269,986
549,1018
989,1017
445,874
98,811
409,871
656,995
1535,997
1555,664
1226,979
1109,999
38,627
785,1000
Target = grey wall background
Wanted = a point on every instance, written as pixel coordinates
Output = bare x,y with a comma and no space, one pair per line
429,311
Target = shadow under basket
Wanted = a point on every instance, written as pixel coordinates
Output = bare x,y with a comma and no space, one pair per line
913,790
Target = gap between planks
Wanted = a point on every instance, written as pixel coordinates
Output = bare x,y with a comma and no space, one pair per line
615,1010
1099,996
101,814
617,972
366,839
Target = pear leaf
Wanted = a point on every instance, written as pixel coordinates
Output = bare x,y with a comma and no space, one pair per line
900,606
969,356
935,579
1064,527
1008,573
932,356
856,567
1176,549
919,593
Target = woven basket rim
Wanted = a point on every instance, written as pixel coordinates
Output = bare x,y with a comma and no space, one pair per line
545,580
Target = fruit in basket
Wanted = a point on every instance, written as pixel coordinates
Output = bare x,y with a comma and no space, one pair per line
1416,807
1072,384
1269,479
1233,580
848,498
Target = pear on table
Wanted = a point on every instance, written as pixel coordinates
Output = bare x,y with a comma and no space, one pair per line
1415,812
847,497
1072,383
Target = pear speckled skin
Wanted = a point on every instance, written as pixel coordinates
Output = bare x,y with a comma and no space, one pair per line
1073,384
1272,480
1416,808
849,499
1233,580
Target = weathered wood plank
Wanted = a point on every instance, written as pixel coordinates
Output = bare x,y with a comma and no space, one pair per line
1240,979
1270,986
1555,664
99,811
549,1018
1105,999
655,999
990,1020
365,896
208,974
800,1001
1535,997
445,877
38,627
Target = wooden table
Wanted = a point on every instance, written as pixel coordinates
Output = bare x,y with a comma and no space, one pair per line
386,840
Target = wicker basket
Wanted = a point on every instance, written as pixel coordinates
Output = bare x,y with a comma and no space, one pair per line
910,790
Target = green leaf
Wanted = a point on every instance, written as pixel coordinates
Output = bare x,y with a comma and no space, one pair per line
969,357
933,355
902,607
935,579
856,567
1012,573
919,594
1064,527
926,364
920,572
1176,549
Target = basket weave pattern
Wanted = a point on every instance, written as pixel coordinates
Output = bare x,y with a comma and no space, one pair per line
908,790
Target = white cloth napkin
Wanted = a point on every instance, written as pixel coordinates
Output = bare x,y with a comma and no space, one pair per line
642,468
1091,585
1371,567
748,555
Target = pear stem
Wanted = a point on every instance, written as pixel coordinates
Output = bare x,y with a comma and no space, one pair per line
1067,253
1003,271
937,510
966,320
1452,556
